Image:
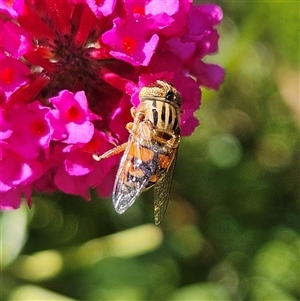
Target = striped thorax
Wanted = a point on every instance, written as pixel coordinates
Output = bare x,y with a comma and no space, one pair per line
161,103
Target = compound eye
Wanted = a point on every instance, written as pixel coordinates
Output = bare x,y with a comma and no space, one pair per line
170,96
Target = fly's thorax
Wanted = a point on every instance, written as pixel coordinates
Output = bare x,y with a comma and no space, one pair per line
161,105
161,114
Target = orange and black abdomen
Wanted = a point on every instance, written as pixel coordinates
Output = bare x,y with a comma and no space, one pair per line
145,165
142,163
163,163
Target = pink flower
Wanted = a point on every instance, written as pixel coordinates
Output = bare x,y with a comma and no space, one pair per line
31,130
133,44
13,74
71,71
71,118
101,8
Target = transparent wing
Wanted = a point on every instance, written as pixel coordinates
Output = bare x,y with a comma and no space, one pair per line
162,191
135,168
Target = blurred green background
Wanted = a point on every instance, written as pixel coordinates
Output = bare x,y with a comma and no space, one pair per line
232,227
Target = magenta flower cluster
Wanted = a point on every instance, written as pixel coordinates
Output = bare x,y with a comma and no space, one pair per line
70,72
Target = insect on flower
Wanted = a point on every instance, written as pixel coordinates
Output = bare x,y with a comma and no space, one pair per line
150,153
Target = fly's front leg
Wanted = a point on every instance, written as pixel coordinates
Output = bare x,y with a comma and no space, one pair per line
129,127
133,112
114,151
137,116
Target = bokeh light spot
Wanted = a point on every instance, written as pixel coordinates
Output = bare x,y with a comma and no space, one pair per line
39,266
33,292
225,150
207,291
187,241
272,152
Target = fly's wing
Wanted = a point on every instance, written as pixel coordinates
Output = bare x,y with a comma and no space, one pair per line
136,167
162,191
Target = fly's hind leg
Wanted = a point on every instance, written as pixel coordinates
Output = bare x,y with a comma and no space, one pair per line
120,148
114,151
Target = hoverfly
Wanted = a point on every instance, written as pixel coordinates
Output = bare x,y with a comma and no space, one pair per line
150,153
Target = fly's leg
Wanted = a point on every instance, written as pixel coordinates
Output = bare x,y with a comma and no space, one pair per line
114,151
120,148
174,141
133,112
129,126
137,117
